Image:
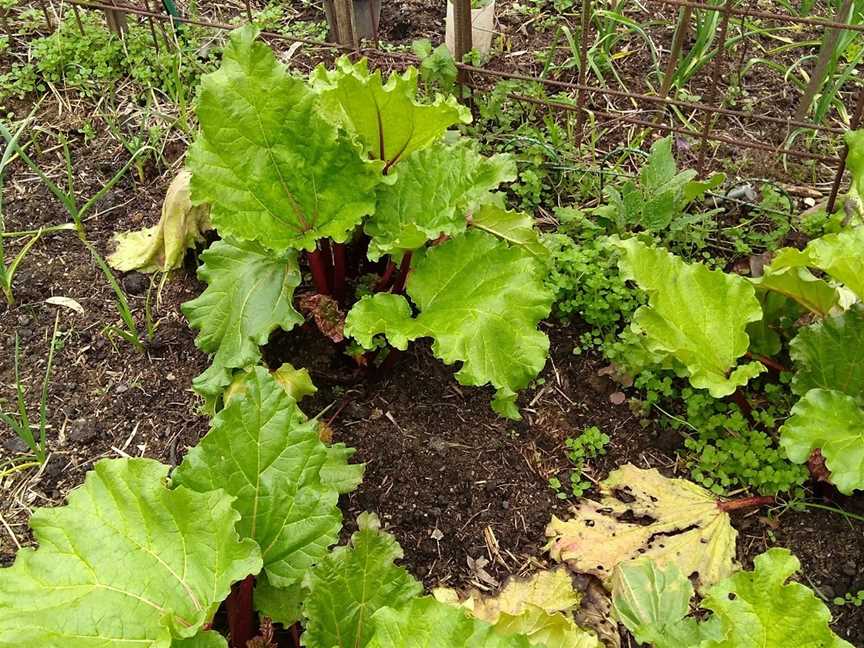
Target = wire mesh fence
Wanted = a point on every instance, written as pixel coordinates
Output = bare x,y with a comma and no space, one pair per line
696,100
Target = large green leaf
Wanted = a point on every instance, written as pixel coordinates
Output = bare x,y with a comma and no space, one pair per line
834,423
759,609
280,604
480,300
653,603
386,117
426,623
838,255
830,355
249,294
205,639
351,584
271,166
436,189
262,451
517,228
695,315
127,562
799,284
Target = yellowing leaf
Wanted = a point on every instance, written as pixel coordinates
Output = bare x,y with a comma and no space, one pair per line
538,607
295,382
686,527
163,246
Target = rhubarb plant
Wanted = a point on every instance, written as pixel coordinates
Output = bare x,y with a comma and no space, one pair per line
398,220
248,520
704,323
749,609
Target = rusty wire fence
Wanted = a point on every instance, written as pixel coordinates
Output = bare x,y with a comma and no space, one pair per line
646,109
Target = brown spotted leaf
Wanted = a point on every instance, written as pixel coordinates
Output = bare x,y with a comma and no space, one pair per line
644,514
327,314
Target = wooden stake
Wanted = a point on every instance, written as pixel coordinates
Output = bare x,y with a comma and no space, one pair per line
463,33
344,19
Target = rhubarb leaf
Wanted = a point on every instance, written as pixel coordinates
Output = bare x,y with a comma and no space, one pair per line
249,294
260,451
799,284
480,300
382,313
386,117
348,586
127,561
839,255
295,382
653,603
680,523
206,639
436,189
428,623
695,315
517,228
272,167
830,355
834,423
280,604
162,247
337,473
539,607
758,609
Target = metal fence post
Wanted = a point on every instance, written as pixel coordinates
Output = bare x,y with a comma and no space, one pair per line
841,166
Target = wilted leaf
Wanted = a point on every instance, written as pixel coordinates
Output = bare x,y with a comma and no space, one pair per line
273,169
249,294
759,609
262,451
833,422
433,194
695,315
428,623
126,562
295,382
162,247
326,313
386,117
830,355
685,527
351,584
539,607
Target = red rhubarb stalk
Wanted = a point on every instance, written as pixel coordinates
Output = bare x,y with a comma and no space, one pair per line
745,502
241,616
339,272
384,282
318,266
404,269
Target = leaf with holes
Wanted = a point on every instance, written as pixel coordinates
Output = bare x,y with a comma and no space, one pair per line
684,526
271,166
127,561
433,194
262,451
694,315
249,294
387,118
